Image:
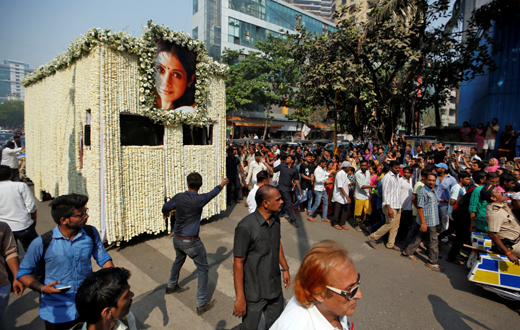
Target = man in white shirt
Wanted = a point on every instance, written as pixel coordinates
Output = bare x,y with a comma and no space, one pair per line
341,198
406,221
262,178
256,166
9,158
391,208
320,176
17,208
362,194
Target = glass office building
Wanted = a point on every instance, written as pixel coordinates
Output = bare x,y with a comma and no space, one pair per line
239,24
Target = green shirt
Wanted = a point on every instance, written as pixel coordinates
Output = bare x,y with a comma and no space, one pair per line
478,206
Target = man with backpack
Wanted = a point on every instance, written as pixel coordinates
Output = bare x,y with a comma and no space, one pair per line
63,257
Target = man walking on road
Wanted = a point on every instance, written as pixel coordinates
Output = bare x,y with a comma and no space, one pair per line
66,252
9,158
186,240
391,208
262,178
443,187
17,208
341,198
256,266
429,219
288,176
362,195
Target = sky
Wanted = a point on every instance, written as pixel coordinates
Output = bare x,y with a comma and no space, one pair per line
35,31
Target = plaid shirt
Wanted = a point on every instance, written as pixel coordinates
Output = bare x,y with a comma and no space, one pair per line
427,200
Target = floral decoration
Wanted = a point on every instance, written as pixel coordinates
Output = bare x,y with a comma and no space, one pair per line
204,69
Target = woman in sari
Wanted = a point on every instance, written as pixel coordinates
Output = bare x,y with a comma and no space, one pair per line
493,165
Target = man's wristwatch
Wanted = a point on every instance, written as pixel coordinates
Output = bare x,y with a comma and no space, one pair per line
284,270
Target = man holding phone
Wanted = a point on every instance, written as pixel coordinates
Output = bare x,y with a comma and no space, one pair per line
65,261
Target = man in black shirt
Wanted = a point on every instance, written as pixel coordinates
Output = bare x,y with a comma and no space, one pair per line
288,175
186,240
307,175
258,256
232,166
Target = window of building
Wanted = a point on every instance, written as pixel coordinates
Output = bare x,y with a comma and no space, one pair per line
452,112
245,34
140,131
453,99
198,136
195,6
195,33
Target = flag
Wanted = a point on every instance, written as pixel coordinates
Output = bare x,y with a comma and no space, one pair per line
305,130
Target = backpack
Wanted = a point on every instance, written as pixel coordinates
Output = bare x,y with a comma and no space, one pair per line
46,241
461,207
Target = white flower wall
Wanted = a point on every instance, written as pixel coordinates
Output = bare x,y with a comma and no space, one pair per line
135,179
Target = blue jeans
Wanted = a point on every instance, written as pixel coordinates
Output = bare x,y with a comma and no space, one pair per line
197,252
320,196
307,193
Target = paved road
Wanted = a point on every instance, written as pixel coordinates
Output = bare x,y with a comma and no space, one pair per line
397,293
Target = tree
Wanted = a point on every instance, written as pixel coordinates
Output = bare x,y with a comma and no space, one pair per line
264,78
12,113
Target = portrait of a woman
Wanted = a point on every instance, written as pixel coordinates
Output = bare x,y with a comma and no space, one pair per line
174,76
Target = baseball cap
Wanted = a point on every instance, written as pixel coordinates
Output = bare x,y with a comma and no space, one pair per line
486,191
444,166
345,164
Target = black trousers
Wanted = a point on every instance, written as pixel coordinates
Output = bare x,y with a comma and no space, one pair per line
232,190
287,200
26,236
462,226
272,309
405,225
340,214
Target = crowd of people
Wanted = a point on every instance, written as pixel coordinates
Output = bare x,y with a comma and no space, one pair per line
408,198
392,192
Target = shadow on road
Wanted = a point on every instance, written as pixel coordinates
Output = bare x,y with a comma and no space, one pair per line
450,318
145,303
17,308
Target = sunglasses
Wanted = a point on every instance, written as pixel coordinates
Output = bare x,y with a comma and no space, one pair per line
347,294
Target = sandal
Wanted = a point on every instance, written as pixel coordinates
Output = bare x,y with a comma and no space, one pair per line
409,256
311,219
325,220
344,227
395,248
435,267
372,242
337,227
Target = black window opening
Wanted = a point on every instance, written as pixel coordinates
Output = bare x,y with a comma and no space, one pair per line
197,136
140,131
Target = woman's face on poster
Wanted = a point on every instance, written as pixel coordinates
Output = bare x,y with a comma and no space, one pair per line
170,78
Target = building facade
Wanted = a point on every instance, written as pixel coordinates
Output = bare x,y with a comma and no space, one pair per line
10,74
359,10
239,24
318,7
495,94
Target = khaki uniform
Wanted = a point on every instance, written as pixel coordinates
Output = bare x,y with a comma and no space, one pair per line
500,220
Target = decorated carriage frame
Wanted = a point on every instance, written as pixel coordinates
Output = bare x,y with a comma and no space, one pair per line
103,119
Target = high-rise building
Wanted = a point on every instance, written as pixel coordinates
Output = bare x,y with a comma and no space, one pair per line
319,7
361,15
238,24
10,74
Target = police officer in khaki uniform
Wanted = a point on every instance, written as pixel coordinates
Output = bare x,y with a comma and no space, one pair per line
503,228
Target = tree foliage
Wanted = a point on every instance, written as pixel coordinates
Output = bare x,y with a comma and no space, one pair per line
12,113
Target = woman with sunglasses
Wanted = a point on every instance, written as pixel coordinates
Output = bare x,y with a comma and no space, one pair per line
326,291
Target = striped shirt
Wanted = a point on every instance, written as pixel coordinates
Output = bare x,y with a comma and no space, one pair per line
391,191
427,200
